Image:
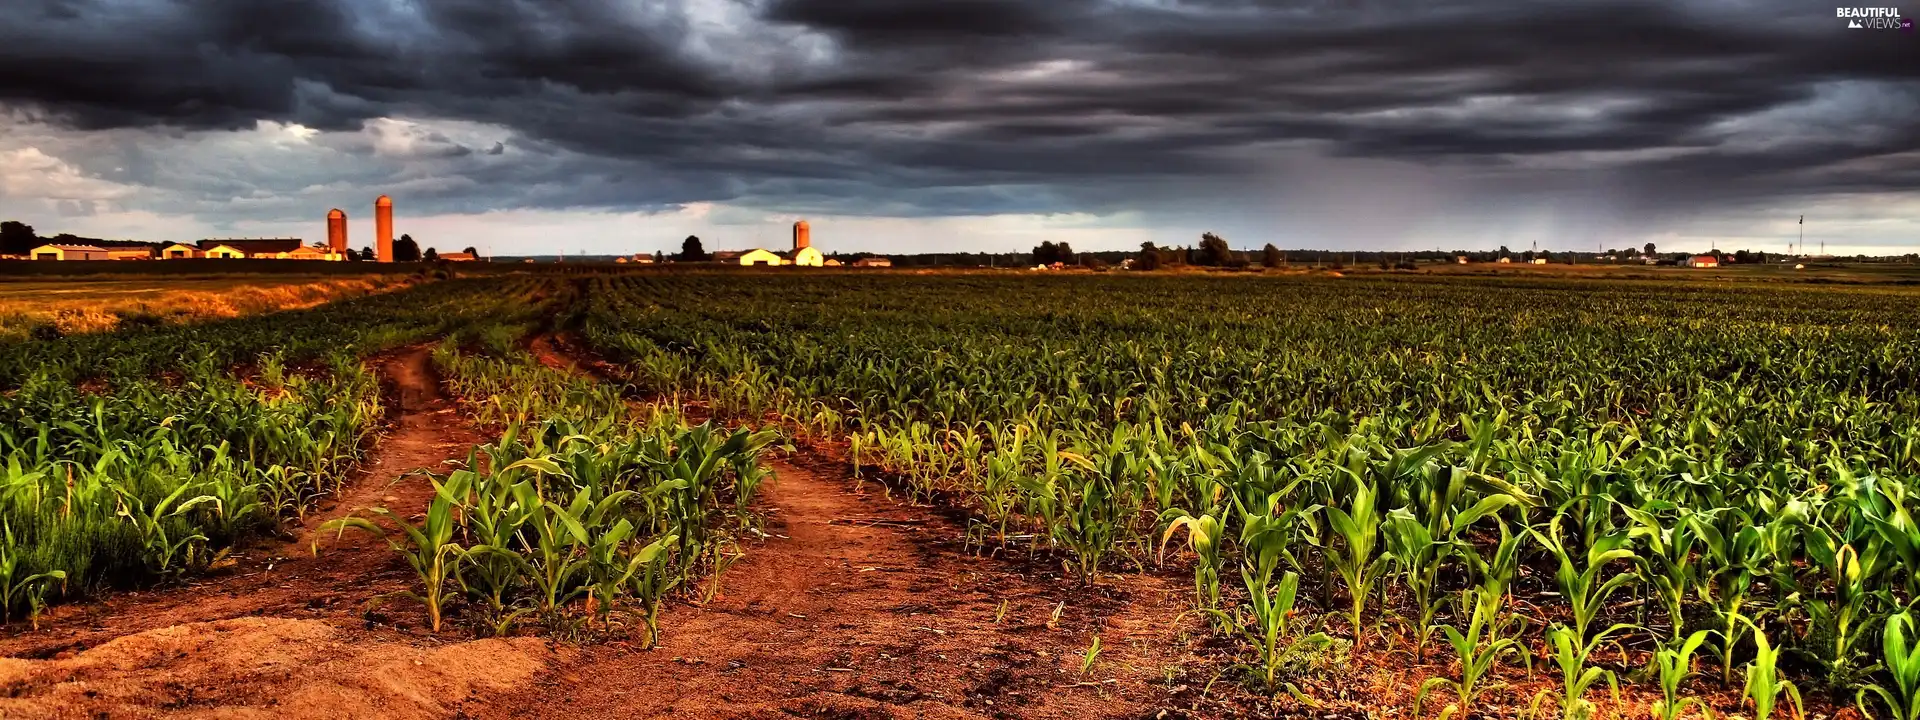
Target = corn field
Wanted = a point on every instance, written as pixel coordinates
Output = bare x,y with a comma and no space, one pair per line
1680,486
1675,489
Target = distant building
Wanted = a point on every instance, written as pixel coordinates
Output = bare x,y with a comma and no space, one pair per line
1704,261
461,257
1539,261
69,252
1461,259
876,262
805,257
803,254
181,251
1504,260
760,256
262,248
831,262
643,259
314,252
130,253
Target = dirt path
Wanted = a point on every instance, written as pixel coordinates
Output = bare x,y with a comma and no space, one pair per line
857,607
278,632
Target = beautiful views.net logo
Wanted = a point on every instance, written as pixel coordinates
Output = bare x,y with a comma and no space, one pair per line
1872,18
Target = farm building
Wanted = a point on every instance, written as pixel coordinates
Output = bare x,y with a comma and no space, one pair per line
760,256
251,247
69,252
313,252
130,253
873,262
181,251
470,257
1703,261
1461,259
1539,261
804,254
1504,260
831,262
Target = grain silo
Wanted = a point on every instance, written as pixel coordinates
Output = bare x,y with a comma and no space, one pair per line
383,228
337,230
801,239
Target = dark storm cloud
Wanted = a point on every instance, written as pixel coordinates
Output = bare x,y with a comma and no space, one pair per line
968,106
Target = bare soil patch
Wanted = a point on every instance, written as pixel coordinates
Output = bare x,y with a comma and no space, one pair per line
857,607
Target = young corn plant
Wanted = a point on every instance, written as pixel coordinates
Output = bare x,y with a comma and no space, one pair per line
1674,663
429,548
1764,684
1478,649
1203,537
1576,677
1358,561
1844,620
1901,657
1584,588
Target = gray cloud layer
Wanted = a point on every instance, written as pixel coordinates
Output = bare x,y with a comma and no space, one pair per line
935,107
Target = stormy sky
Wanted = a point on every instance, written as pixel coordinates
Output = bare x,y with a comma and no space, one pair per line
526,126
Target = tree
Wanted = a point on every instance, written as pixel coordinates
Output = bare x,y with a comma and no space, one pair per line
1149,258
1270,256
431,255
1213,250
367,254
1648,249
17,238
471,251
1046,253
406,250
1063,253
690,250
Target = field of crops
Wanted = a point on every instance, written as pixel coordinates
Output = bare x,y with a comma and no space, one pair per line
1621,480
1555,497
41,308
137,457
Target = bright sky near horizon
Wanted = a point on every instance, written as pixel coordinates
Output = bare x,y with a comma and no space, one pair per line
606,126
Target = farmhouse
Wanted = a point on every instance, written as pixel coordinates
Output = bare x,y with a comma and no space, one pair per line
69,252
1704,261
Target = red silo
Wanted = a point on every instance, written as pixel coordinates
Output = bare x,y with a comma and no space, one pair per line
383,228
337,230
801,236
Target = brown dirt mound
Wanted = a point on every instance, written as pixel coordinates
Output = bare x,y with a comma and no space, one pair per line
265,668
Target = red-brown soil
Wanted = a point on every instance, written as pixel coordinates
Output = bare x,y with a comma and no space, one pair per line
857,607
